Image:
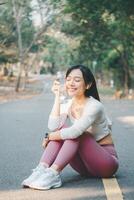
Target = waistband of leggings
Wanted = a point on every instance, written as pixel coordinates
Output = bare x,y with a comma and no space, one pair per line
107,145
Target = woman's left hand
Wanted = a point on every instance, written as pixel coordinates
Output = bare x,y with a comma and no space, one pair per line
45,142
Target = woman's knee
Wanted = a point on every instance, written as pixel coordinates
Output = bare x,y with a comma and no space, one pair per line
87,135
55,143
86,138
71,145
108,170
72,141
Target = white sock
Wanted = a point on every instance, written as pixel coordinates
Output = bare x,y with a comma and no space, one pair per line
43,164
54,171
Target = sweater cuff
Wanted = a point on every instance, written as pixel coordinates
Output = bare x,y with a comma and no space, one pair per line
63,134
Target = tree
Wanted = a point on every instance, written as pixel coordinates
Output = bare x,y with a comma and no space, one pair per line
57,53
19,35
102,27
8,37
20,13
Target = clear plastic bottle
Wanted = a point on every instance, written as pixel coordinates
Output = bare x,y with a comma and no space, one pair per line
60,78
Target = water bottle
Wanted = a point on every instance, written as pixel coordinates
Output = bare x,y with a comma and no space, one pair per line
60,78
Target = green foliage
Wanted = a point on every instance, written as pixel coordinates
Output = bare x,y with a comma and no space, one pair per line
43,70
114,62
28,32
103,32
104,27
57,53
7,27
70,27
8,30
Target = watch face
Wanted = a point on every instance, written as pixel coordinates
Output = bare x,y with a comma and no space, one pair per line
46,135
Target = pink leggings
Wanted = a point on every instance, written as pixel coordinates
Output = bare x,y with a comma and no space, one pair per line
84,155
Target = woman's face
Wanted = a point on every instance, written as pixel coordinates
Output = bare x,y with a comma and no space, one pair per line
75,85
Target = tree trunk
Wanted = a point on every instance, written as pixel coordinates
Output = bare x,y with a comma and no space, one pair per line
40,12
52,68
127,73
125,65
23,54
18,15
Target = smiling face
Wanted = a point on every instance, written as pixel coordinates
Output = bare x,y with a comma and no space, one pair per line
75,85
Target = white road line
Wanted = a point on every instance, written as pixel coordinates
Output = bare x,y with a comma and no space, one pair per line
112,189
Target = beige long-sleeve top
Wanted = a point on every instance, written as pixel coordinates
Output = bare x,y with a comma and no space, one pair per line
93,120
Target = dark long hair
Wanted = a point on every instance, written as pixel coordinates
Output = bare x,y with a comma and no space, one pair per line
88,78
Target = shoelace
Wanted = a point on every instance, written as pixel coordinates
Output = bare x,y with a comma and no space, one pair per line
50,172
36,169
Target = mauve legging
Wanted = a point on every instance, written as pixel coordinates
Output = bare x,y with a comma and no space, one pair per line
84,155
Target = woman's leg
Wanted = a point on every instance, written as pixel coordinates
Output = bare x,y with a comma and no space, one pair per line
99,161
59,153
77,164
66,153
51,152
47,159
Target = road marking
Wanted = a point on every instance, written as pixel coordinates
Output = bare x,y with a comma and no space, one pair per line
112,189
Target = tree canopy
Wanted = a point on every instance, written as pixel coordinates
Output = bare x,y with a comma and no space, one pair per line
99,34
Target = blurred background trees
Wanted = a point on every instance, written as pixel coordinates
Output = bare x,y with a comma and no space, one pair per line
45,36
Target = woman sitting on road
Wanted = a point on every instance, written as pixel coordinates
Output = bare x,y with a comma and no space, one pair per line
80,134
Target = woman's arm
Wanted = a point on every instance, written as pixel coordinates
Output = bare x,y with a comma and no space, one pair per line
58,113
55,135
79,126
55,112
53,121
49,137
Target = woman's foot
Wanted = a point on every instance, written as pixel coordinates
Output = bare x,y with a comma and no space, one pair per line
37,172
50,179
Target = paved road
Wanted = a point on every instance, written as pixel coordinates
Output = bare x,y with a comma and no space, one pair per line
122,113
22,125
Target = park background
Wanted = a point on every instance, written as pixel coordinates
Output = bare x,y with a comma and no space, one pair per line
46,36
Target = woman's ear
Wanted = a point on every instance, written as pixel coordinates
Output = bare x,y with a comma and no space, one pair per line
88,86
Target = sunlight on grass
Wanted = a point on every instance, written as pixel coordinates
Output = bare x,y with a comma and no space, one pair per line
106,91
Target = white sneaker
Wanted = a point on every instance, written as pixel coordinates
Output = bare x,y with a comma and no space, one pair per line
37,172
50,179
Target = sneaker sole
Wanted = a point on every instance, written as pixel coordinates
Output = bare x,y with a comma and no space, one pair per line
45,188
25,185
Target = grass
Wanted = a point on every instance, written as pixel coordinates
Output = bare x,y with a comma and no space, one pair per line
106,91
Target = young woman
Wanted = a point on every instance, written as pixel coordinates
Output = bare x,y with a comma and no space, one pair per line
80,134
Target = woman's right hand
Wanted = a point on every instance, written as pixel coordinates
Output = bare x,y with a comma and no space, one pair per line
56,87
